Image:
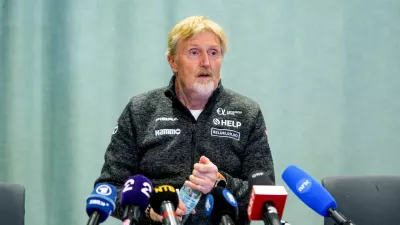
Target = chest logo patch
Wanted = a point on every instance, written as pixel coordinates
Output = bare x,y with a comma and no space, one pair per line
167,132
227,123
225,133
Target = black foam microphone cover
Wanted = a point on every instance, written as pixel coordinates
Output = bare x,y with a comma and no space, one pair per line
163,193
222,203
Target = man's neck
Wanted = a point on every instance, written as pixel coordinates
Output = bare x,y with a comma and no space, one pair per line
192,100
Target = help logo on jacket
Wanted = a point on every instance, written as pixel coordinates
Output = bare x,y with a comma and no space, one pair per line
227,123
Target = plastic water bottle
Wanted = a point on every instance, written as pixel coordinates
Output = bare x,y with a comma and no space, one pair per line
190,198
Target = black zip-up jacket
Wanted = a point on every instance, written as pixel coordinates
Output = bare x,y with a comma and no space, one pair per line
158,137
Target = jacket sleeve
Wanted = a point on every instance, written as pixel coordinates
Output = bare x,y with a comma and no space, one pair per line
121,157
257,157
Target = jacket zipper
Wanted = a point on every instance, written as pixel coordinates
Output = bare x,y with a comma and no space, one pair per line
194,121
193,145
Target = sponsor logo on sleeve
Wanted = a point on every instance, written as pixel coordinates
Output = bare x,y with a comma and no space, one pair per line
115,129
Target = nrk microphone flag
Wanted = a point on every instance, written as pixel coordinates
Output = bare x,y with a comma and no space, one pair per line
313,194
102,200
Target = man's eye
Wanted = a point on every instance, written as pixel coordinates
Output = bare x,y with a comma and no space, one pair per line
214,52
194,52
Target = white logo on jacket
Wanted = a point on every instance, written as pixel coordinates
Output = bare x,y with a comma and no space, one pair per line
166,119
167,132
115,129
227,123
224,112
225,133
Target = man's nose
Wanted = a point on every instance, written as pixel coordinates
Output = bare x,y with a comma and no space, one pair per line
205,61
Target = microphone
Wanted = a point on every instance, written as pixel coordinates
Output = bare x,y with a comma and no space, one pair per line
135,198
267,201
101,203
313,194
221,206
164,200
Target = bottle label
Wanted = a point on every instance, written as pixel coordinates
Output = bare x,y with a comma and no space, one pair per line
189,197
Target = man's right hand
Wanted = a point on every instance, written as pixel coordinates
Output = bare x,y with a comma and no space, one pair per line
180,211
154,216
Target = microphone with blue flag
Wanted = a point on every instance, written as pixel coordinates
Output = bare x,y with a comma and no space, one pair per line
221,207
313,194
101,203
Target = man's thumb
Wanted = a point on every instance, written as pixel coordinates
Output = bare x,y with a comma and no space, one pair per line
204,160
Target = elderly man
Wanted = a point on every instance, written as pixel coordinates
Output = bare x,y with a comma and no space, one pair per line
192,128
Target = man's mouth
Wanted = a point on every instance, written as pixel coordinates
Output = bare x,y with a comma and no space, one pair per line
204,75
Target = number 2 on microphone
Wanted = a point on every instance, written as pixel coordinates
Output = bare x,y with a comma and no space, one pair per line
145,190
128,185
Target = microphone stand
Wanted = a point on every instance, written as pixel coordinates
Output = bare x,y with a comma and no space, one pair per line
94,218
226,220
339,218
346,223
131,213
349,223
270,215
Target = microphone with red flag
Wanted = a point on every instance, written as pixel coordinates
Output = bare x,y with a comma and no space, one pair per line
267,201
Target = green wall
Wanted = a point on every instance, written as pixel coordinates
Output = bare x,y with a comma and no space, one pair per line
326,74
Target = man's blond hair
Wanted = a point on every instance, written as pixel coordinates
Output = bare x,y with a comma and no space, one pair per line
191,26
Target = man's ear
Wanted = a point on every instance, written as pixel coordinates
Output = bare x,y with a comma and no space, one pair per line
172,63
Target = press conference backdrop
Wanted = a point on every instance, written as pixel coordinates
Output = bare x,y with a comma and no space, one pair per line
326,74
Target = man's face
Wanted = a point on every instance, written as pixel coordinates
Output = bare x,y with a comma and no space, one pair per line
197,63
